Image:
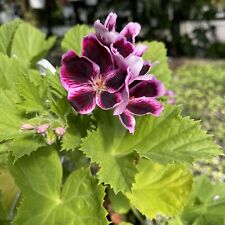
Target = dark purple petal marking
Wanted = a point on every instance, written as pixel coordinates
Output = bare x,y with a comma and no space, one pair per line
144,105
97,52
115,80
106,100
130,31
148,88
110,22
123,46
145,68
82,99
128,121
76,70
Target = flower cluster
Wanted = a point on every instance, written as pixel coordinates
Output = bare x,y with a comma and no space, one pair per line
111,74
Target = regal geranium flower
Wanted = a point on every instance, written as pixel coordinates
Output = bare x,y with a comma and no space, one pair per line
111,73
141,100
92,78
107,34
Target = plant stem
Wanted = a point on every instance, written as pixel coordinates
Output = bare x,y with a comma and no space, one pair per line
138,215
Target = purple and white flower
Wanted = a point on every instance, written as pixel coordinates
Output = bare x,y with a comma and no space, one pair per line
111,74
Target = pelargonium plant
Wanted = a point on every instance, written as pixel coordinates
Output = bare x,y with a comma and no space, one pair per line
92,139
111,74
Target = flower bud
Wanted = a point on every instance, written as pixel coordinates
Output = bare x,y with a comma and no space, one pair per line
42,128
60,131
27,126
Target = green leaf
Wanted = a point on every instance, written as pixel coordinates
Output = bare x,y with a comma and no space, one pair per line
160,189
8,191
156,52
34,95
30,44
46,202
206,205
7,32
103,147
25,143
77,128
119,202
73,38
10,71
172,138
10,119
54,82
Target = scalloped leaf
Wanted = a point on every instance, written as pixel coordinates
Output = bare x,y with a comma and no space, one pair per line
30,44
117,166
39,177
10,71
165,139
157,52
10,119
34,95
7,32
173,138
73,38
160,189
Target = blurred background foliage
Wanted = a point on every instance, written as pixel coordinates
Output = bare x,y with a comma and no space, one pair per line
161,20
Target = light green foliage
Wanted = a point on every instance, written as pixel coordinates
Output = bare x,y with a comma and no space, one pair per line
165,139
73,38
200,89
156,52
10,119
7,32
34,96
77,129
125,223
103,147
29,44
206,205
25,143
8,191
39,177
160,189
119,202
24,42
10,71
172,138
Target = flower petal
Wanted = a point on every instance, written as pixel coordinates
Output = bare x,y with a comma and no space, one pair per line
76,70
148,88
110,22
140,49
144,105
135,63
123,46
128,121
120,108
97,52
114,80
130,31
106,100
105,36
145,68
82,99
